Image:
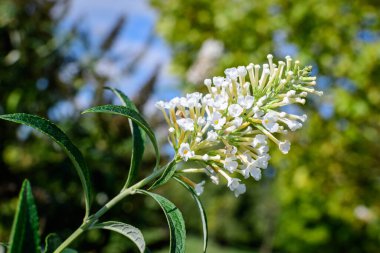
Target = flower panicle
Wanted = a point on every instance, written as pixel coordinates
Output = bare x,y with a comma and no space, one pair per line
227,130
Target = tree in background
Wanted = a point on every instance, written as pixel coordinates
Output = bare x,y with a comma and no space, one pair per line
40,73
324,196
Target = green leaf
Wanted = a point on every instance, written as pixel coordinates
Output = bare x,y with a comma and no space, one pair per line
134,234
201,211
50,129
134,116
138,139
166,175
24,235
175,221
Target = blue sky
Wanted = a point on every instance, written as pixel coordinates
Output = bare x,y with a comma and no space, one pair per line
96,18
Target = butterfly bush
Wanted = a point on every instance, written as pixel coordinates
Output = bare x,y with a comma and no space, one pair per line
226,132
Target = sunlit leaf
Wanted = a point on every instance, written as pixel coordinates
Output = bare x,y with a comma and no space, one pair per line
134,234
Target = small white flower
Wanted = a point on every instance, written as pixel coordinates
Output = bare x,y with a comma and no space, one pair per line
218,81
220,102
217,121
270,122
235,110
205,157
185,152
233,183
207,99
235,186
207,82
231,73
262,150
160,104
284,146
174,102
240,190
292,124
262,161
246,102
171,130
199,188
230,164
186,124
291,93
255,173
242,71
260,139
183,102
245,171
201,121
192,101
237,121
212,135
303,118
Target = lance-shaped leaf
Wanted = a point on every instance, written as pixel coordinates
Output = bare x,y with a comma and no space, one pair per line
166,175
138,139
24,235
175,220
51,130
132,233
134,116
201,211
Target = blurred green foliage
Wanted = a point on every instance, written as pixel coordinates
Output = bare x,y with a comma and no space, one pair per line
321,197
324,196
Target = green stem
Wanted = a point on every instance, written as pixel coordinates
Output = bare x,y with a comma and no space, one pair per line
87,223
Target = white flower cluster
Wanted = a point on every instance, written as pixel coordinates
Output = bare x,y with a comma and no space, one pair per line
228,129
